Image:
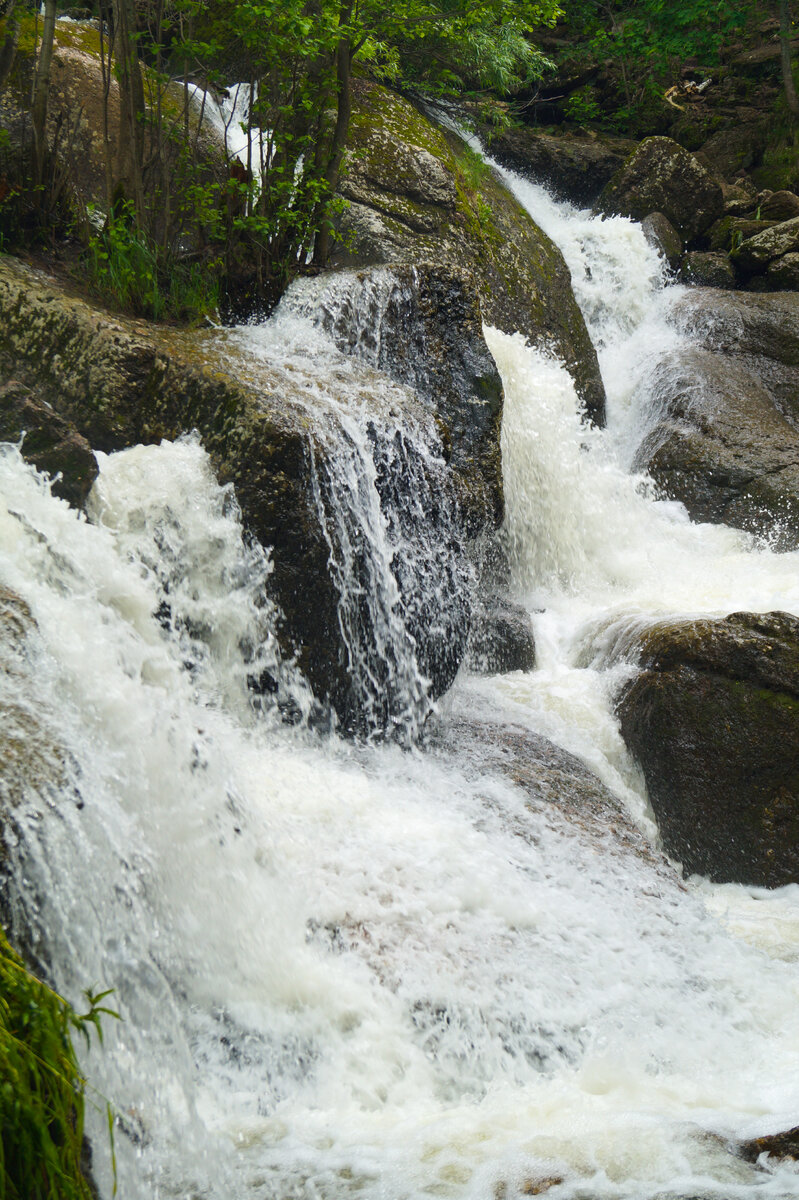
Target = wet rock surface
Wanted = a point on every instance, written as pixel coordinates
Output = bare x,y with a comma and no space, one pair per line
422,325
660,233
660,176
702,268
725,440
501,637
777,1145
418,194
575,167
713,720
49,442
121,382
555,782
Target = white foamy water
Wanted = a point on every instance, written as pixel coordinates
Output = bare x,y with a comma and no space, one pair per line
348,970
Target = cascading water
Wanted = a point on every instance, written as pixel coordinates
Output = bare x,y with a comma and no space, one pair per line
348,970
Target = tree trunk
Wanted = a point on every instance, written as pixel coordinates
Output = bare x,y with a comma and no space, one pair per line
8,49
131,108
41,91
333,170
785,59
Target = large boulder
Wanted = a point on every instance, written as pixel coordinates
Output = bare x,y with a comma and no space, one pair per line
121,382
713,720
576,167
725,440
707,268
660,176
416,193
721,446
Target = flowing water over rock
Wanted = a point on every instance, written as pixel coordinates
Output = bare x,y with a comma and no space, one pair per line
348,969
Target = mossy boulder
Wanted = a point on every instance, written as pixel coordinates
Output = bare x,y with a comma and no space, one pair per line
416,193
713,720
754,255
660,176
707,268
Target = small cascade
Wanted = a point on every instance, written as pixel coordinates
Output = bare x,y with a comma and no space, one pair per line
388,509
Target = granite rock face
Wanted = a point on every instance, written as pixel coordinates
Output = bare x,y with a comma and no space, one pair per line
660,176
713,720
417,193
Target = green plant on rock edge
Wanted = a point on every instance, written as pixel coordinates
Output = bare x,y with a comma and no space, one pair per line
42,1091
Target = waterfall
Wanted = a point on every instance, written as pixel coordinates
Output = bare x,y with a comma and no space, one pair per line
347,969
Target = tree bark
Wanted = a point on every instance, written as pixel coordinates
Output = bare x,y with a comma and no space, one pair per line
131,108
785,60
338,146
8,49
41,92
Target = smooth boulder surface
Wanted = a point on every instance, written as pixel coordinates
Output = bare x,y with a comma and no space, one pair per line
660,176
660,233
416,193
713,720
121,382
501,638
575,166
724,439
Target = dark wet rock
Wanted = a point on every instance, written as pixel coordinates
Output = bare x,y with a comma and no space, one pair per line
713,720
704,268
782,274
780,206
731,231
722,447
777,1145
422,325
50,442
736,148
416,193
122,382
575,167
501,638
663,177
753,255
660,233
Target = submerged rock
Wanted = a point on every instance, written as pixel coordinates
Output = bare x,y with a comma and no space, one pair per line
501,639
713,720
418,194
663,177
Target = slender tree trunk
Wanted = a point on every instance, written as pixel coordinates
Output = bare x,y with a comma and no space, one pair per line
785,59
131,107
8,49
338,146
41,91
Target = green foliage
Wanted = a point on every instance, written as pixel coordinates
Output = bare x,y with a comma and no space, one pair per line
41,1088
130,271
582,105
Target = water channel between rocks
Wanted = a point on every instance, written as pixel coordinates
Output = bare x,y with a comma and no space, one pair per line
348,969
